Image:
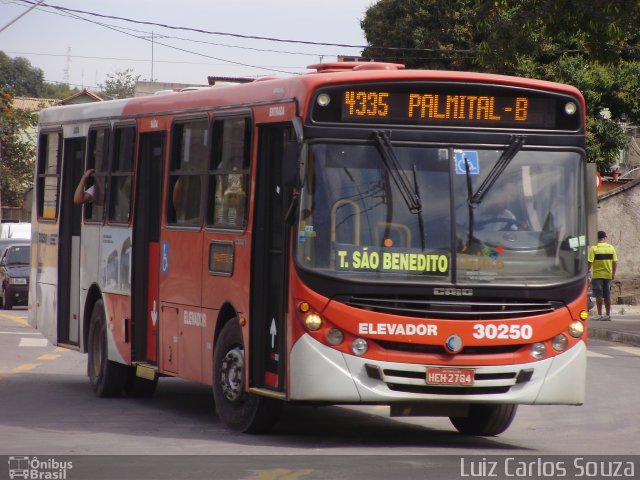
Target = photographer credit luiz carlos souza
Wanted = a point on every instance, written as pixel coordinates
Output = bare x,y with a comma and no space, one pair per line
548,467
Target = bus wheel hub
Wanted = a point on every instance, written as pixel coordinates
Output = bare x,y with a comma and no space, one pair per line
231,375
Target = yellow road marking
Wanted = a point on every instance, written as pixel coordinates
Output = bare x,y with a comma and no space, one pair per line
25,367
14,318
281,474
48,356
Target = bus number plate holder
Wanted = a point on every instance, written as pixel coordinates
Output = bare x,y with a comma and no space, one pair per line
450,376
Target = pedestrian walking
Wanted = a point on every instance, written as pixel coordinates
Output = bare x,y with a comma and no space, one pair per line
602,260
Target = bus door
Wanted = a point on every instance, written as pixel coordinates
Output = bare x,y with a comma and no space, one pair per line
145,247
69,244
269,267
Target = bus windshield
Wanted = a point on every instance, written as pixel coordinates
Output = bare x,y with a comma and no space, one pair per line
526,228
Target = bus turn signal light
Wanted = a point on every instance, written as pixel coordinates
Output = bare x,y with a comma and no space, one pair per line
304,307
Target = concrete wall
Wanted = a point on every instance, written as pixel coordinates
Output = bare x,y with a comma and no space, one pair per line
619,216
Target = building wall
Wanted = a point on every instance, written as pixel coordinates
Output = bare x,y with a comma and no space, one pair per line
619,216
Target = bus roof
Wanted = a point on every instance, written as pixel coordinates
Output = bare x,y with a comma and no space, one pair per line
276,89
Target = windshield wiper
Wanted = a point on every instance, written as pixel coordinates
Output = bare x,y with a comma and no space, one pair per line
512,149
411,198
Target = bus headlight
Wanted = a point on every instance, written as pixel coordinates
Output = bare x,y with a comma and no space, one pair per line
359,346
538,350
324,99
559,342
576,329
335,336
313,321
570,108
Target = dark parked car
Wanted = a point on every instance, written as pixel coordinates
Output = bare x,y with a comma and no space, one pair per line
14,275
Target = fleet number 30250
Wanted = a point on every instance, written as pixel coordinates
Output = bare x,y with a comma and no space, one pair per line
502,331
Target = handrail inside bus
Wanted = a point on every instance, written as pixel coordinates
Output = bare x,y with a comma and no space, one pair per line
356,214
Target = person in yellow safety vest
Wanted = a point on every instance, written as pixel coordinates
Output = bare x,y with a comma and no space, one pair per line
602,260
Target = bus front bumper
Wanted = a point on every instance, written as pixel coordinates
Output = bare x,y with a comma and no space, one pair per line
321,373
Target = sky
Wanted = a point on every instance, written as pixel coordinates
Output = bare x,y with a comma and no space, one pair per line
83,49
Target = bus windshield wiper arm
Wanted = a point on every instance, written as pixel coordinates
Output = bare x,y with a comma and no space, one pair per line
512,149
411,198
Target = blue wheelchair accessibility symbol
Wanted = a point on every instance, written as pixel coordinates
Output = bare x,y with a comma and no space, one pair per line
165,258
471,158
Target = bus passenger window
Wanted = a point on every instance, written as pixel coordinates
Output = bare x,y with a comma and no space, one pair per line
49,156
229,173
186,200
97,159
122,175
186,175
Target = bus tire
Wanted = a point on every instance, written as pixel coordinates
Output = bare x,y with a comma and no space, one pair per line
238,409
137,386
485,420
107,378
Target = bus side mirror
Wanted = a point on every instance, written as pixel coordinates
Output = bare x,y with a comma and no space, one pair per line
290,164
295,157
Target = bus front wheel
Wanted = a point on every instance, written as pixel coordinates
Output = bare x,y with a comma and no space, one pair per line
107,377
485,420
238,409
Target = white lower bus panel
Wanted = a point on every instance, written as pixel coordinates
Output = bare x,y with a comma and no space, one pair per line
321,373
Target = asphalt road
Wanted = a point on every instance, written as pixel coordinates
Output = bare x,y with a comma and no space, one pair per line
48,412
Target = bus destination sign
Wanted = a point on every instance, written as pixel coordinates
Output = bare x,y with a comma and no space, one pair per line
447,109
448,105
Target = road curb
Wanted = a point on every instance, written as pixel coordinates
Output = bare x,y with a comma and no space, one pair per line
615,336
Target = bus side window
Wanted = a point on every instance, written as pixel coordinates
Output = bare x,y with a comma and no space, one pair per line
122,175
97,158
49,156
187,172
229,173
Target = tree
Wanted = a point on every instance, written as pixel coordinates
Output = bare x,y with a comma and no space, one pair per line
595,47
120,85
421,33
25,80
17,151
21,77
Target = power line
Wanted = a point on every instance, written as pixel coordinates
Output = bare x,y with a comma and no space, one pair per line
119,30
249,37
88,57
196,30
34,5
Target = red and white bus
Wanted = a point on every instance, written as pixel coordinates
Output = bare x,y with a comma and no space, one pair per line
362,234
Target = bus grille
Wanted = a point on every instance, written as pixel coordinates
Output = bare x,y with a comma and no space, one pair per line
452,308
487,380
440,350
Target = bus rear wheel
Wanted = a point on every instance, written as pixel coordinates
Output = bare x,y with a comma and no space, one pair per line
485,420
107,378
238,409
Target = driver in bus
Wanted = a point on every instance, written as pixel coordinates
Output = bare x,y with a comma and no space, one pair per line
495,216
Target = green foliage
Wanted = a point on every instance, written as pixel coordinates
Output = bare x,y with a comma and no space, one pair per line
594,46
431,34
59,90
21,77
25,80
16,150
119,85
